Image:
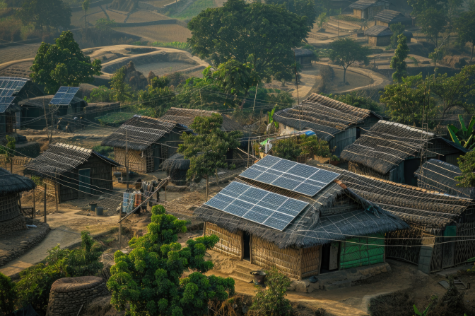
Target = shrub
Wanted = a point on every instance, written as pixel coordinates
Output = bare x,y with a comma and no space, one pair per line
84,261
287,149
103,150
8,295
313,146
271,300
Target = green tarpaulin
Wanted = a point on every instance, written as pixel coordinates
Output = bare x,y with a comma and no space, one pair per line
362,251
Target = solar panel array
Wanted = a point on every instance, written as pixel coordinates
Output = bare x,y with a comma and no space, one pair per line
290,175
257,205
64,96
9,86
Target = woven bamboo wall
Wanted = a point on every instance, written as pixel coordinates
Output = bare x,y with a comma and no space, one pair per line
311,261
266,254
465,246
9,206
137,162
405,249
343,139
366,171
101,176
230,244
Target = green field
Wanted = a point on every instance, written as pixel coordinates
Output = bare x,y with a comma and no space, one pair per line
194,9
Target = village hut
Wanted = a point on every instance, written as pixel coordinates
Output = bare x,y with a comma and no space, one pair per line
33,110
13,90
176,167
441,224
11,218
304,56
390,17
147,141
73,172
367,9
392,151
379,35
293,216
438,175
337,123
187,116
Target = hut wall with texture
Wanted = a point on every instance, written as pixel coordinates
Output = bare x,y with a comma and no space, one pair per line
343,139
266,254
137,162
101,176
311,261
229,244
366,171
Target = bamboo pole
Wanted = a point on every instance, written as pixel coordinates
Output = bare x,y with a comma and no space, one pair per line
45,202
56,195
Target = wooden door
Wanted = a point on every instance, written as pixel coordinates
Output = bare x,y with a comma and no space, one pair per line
334,250
84,181
448,248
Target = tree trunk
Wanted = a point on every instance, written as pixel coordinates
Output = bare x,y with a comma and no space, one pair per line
344,75
217,179
207,185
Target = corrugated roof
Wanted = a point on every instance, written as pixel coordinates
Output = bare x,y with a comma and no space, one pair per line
378,31
391,16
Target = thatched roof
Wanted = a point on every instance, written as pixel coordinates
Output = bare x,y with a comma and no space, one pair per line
14,183
319,223
378,31
440,176
45,100
391,16
419,207
176,162
387,144
186,117
61,158
303,52
364,4
323,115
139,132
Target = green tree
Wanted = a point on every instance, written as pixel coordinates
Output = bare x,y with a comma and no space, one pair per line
313,146
85,261
465,26
63,64
397,29
45,13
260,34
321,20
305,8
233,77
432,21
8,295
208,147
409,102
149,278
398,62
270,301
345,52
158,100
120,90
287,148
9,149
104,25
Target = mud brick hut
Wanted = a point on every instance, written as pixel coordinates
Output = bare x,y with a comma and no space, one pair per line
296,217
337,123
304,56
379,35
13,90
186,117
74,172
176,167
148,142
11,186
441,224
437,175
390,17
392,151
367,9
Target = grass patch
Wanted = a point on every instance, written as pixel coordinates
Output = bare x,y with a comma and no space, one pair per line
177,45
348,18
114,119
194,9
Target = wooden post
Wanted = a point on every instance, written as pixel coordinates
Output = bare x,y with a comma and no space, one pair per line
34,202
248,149
11,164
120,225
56,195
207,183
126,160
165,193
45,202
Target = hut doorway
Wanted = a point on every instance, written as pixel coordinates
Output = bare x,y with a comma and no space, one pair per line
84,181
246,251
410,166
330,254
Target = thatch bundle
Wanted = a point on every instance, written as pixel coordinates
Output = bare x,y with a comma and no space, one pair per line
176,167
14,183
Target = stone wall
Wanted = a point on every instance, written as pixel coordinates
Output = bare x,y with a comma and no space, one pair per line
69,294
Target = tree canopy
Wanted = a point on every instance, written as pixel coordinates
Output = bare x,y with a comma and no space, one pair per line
466,165
149,278
345,52
398,62
63,64
45,13
301,7
260,34
465,26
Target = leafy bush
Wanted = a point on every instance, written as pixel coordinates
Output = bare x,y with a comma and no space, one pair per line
271,300
149,278
177,45
8,295
313,146
103,150
287,149
84,261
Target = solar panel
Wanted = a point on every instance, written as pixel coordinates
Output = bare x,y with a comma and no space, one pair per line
64,96
9,88
290,175
257,205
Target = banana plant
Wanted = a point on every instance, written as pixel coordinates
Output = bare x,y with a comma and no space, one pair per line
271,119
465,135
433,300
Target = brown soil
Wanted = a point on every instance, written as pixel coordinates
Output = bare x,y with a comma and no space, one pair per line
160,33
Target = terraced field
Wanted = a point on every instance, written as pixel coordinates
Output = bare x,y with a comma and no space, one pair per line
194,9
160,33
